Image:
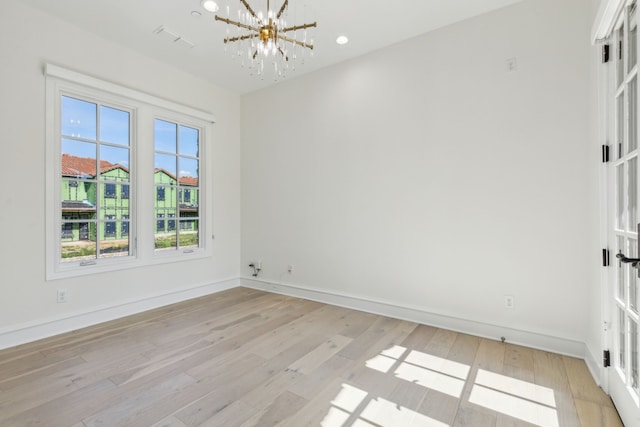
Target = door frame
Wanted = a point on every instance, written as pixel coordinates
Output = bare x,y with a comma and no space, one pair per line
607,21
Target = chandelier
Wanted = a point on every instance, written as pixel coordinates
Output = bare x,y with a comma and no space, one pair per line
265,42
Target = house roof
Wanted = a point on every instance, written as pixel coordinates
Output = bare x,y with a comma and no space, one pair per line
184,180
86,166
188,180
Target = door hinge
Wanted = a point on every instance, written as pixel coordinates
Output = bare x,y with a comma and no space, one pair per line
605,153
606,261
620,50
606,358
605,53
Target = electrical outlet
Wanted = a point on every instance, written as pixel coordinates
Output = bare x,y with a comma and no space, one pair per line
62,296
290,269
509,301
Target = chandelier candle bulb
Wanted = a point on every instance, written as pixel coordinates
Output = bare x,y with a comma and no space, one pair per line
267,35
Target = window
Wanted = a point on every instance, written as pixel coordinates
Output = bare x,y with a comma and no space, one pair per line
95,130
160,223
124,225
67,230
177,168
110,191
110,227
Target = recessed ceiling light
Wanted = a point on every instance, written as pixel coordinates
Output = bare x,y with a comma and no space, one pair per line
342,40
210,5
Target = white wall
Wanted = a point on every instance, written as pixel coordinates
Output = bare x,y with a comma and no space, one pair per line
28,39
428,176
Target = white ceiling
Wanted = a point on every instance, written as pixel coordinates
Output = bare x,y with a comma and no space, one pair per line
369,24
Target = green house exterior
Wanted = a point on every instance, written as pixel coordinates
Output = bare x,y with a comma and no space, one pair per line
104,202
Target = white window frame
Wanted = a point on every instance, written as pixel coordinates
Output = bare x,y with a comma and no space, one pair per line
144,108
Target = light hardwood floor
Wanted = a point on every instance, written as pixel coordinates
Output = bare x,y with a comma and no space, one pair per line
249,358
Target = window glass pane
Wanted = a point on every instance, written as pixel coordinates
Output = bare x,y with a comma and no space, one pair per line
620,55
621,269
79,247
164,239
633,276
79,159
165,136
67,232
114,126
189,236
188,171
110,227
633,344
160,194
78,196
620,197
114,164
112,244
166,163
110,191
160,223
620,124
632,193
124,192
622,335
78,118
189,138
633,38
633,114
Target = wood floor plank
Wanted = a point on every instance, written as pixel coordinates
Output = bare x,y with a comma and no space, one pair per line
308,386
244,358
310,361
169,422
592,414
550,372
282,406
231,416
582,385
128,410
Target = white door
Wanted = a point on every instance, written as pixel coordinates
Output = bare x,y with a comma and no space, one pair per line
623,304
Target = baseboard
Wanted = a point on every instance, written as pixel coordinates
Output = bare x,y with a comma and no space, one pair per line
415,314
33,331
595,366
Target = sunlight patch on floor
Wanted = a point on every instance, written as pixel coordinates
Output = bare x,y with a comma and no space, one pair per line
378,412
430,379
500,393
519,399
429,371
524,389
381,412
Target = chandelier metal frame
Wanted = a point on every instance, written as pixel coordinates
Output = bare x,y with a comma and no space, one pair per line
268,30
